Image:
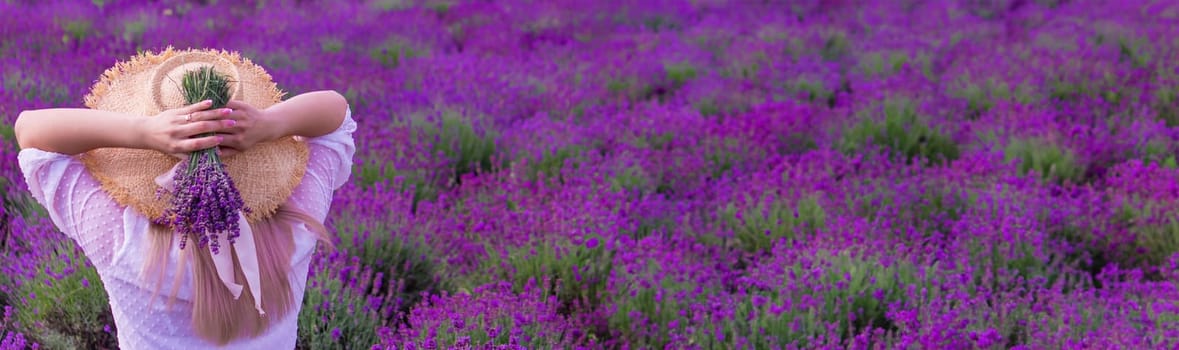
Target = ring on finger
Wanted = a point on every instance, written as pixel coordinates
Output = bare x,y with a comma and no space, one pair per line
188,118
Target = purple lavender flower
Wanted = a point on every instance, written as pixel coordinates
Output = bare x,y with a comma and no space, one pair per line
204,202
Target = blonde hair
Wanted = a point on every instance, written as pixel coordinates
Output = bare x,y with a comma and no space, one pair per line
216,316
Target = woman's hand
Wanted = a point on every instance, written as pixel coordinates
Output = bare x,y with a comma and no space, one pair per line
252,126
307,115
179,131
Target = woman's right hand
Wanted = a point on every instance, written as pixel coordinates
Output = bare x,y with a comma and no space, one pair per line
178,131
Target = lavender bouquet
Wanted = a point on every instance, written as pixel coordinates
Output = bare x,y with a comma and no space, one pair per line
204,202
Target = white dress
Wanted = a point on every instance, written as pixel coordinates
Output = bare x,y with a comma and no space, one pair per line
112,238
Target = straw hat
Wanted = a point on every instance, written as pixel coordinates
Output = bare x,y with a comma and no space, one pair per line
147,84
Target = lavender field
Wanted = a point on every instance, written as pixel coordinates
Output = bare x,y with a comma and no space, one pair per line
679,174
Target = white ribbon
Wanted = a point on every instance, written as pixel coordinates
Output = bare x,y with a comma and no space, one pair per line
244,248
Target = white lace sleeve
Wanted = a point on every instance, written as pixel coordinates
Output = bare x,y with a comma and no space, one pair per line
328,169
75,201
50,177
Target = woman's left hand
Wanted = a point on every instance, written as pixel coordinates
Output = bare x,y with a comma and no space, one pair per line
252,128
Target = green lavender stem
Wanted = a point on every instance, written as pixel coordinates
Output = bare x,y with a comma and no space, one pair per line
205,84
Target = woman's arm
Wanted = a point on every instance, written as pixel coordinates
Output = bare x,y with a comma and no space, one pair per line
73,130
311,114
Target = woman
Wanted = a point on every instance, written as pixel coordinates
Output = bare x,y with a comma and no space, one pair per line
97,171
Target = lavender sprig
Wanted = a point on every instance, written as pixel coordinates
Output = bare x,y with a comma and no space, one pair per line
204,200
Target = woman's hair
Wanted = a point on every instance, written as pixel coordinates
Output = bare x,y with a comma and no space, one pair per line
216,316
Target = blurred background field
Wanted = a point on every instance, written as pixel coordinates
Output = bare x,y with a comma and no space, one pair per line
680,174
